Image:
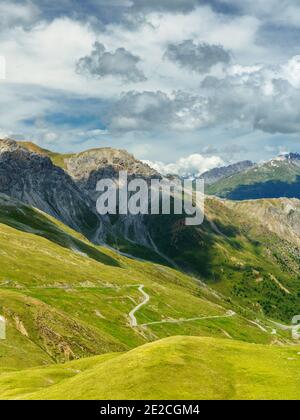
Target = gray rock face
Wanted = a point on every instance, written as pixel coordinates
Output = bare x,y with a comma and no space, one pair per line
34,180
216,174
70,196
89,167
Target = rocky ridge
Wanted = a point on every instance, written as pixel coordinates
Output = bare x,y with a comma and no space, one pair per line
33,179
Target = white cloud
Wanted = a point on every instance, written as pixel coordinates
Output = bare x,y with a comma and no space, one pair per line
258,97
258,92
17,14
291,71
193,165
156,111
46,53
2,68
50,137
238,70
263,100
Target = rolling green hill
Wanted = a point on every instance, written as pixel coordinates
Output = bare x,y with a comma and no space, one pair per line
65,298
173,368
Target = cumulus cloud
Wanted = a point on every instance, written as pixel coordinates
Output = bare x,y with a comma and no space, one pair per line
155,111
104,12
261,99
141,111
256,97
190,166
291,71
197,57
245,98
16,14
101,63
33,55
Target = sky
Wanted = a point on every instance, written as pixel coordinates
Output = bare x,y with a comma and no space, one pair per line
185,85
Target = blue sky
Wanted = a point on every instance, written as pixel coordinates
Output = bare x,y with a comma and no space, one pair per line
187,83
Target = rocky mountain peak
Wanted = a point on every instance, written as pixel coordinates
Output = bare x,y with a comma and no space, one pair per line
16,160
8,145
33,179
106,162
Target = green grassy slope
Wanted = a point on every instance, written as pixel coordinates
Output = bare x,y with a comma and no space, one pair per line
65,298
67,304
237,254
274,179
58,159
174,368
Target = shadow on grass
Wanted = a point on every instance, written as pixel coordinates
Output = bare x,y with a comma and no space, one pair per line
28,220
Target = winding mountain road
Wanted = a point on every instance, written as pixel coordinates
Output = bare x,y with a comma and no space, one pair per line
133,320
134,323
228,314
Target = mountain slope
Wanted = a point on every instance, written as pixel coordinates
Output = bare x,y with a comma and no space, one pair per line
201,368
237,254
65,298
280,216
245,260
86,169
33,179
277,178
216,174
58,159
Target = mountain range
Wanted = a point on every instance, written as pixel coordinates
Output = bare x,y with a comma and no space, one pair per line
276,178
86,297
216,174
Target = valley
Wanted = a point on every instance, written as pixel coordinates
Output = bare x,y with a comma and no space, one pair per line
84,306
